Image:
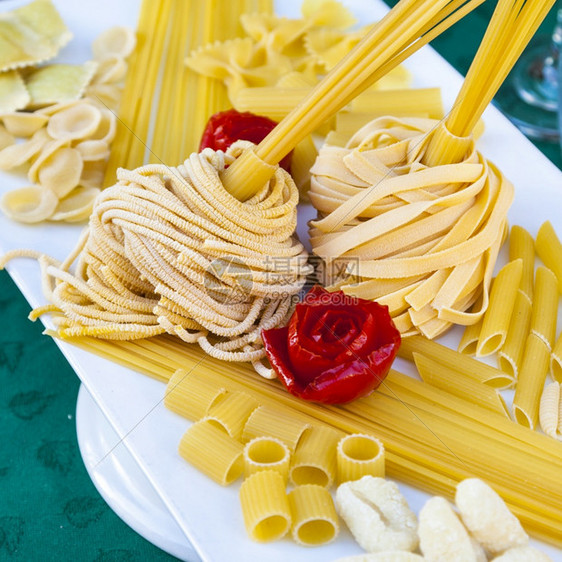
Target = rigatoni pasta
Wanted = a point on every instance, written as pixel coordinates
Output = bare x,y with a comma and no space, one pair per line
314,517
315,458
359,455
265,506
267,453
264,421
212,451
232,412
191,395
545,306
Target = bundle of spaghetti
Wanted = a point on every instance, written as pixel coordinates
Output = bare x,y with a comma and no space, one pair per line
432,439
168,250
166,105
407,27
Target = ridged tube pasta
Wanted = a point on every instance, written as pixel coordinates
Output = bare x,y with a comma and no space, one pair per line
443,536
265,506
487,517
522,246
444,222
500,308
232,412
549,250
213,452
360,455
545,306
511,353
556,360
267,453
314,517
190,395
534,369
549,409
265,421
315,458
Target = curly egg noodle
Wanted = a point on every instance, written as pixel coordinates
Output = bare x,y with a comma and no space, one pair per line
152,260
421,239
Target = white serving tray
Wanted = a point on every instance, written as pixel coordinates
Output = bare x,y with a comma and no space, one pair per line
144,431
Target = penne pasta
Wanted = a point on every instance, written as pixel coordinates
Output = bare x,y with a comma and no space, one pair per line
359,455
314,517
522,246
556,360
266,453
511,353
454,360
265,506
212,451
500,308
549,409
190,395
534,369
471,334
545,306
549,250
455,383
315,458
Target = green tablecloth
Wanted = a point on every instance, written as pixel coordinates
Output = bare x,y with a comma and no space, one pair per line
49,509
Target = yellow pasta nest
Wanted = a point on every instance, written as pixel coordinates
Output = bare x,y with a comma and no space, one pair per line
421,239
169,250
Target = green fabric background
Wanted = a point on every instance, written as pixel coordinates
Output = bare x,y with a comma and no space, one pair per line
49,509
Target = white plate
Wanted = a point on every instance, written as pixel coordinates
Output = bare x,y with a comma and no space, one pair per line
122,484
208,515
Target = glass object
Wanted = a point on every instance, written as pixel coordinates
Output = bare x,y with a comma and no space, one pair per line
529,97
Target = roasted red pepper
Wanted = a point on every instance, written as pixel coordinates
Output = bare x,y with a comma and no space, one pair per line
226,127
335,349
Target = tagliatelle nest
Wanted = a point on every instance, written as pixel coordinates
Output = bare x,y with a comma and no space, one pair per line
169,250
423,240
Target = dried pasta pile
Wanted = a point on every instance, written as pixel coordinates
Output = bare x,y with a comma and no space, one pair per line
423,240
65,142
168,250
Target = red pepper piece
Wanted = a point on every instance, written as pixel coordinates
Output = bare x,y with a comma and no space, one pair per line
335,349
226,127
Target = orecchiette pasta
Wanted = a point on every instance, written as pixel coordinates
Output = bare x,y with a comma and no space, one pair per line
443,536
487,517
377,514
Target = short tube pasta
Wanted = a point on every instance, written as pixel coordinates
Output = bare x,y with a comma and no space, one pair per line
265,506
315,458
511,353
213,452
267,453
232,412
360,455
556,360
531,381
522,246
314,517
264,421
191,396
545,306
549,250
498,315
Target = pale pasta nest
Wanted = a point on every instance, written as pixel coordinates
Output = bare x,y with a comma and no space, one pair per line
423,240
169,250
